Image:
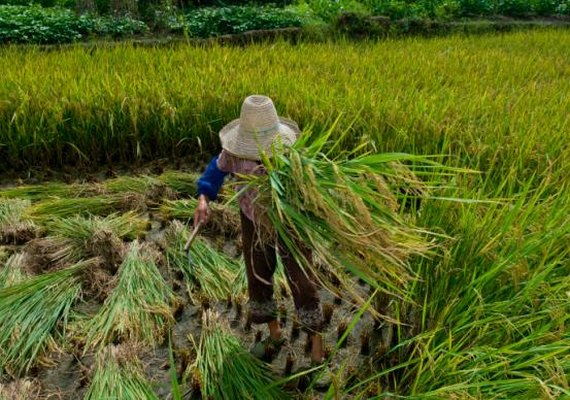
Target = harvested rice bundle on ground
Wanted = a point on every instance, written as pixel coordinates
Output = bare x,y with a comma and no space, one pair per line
47,190
124,184
140,308
106,204
150,188
15,227
119,375
224,219
345,211
183,183
76,238
14,270
32,312
127,226
209,274
224,369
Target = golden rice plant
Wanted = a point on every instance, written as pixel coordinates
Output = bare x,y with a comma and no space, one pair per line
119,374
224,369
465,96
139,309
125,184
33,315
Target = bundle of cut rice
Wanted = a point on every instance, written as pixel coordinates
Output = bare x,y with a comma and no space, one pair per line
224,369
347,209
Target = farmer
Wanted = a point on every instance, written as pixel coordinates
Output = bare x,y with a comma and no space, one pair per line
259,129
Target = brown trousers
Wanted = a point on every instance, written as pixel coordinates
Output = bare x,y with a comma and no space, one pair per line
261,261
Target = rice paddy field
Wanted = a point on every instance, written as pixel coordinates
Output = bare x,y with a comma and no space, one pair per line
100,150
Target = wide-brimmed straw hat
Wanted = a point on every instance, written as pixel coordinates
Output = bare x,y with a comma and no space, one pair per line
257,129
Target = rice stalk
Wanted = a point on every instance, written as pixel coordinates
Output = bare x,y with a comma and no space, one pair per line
208,273
140,308
149,188
13,271
33,313
224,218
225,370
119,375
15,226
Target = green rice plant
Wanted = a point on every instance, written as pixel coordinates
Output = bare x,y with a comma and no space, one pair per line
225,370
33,313
119,375
224,218
208,273
13,271
485,100
140,308
491,314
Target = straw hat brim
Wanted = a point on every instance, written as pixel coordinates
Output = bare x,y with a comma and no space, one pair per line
249,146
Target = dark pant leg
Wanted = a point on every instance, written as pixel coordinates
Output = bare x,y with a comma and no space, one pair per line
303,286
260,261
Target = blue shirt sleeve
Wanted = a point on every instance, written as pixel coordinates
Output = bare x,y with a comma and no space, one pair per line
211,180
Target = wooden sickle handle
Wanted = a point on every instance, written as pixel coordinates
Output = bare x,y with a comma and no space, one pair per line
192,236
